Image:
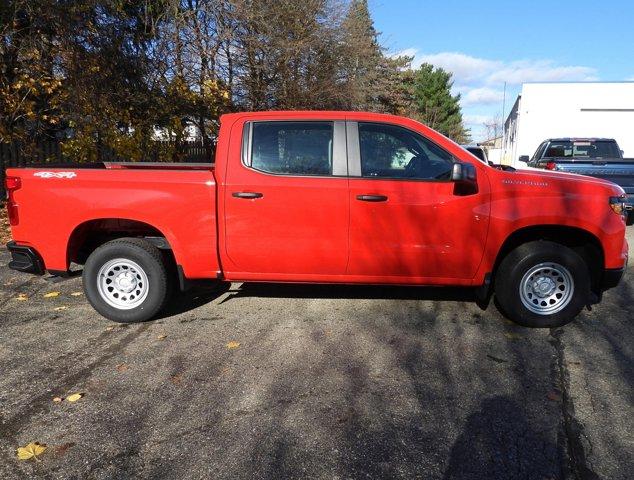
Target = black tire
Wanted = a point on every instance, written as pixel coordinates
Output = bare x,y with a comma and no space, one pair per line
519,262
149,259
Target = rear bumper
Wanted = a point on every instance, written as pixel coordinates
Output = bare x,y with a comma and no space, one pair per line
611,278
25,259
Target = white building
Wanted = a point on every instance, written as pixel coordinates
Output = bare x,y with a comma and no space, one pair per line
577,109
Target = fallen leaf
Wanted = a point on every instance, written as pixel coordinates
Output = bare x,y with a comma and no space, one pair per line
512,336
22,297
58,399
76,294
74,397
233,344
122,367
51,294
63,307
110,328
32,450
161,337
176,379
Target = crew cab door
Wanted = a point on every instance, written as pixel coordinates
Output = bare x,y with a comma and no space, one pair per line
286,208
408,221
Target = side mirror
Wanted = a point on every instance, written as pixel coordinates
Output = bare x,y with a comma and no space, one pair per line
464,177
463,173
524,158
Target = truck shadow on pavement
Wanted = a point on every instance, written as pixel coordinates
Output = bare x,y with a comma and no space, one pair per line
200,295
336,291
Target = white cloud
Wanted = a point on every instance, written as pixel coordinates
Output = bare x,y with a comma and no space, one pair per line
480,96
468,70
516,73
473,120
464,67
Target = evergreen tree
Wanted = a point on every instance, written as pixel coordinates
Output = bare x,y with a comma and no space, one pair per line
372,78
433,104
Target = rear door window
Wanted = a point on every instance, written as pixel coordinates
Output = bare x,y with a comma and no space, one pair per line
292,148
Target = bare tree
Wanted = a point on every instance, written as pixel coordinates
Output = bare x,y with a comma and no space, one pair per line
493,127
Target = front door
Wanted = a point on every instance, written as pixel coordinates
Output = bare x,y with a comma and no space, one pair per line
407,219
286,203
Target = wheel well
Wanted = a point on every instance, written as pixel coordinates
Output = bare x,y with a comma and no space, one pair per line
581,241
92,234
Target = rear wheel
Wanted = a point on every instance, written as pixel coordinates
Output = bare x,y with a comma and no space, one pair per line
542,284
126,280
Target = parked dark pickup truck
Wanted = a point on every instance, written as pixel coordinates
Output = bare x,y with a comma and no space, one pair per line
595,157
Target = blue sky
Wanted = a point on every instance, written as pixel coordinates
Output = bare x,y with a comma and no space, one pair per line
485,43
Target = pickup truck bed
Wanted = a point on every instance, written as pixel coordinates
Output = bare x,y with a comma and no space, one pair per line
161,200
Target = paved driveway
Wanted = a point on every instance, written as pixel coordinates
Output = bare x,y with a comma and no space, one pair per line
323,382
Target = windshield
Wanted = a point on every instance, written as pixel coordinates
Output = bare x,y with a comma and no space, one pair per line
583,149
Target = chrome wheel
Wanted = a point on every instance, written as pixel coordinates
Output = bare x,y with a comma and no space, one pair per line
122,283
546,288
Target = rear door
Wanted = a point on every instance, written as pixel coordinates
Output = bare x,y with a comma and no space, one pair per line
286,202
408,221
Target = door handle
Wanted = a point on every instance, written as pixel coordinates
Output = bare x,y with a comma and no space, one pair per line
247,195
372,198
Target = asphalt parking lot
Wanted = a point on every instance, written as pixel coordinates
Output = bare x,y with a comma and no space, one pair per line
269,381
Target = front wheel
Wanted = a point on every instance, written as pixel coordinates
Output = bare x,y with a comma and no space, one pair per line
542,284
126,280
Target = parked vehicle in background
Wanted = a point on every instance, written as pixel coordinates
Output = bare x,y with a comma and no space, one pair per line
323,197
596,157
478,151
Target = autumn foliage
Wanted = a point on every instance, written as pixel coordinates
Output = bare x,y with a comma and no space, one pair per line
120,74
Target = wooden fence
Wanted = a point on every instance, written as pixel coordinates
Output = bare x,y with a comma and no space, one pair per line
13,155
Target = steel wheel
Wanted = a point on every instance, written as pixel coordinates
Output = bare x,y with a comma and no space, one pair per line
122,283
546,288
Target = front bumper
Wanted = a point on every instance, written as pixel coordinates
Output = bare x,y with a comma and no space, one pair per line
25,259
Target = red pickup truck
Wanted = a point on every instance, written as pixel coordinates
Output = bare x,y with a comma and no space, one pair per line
323,197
